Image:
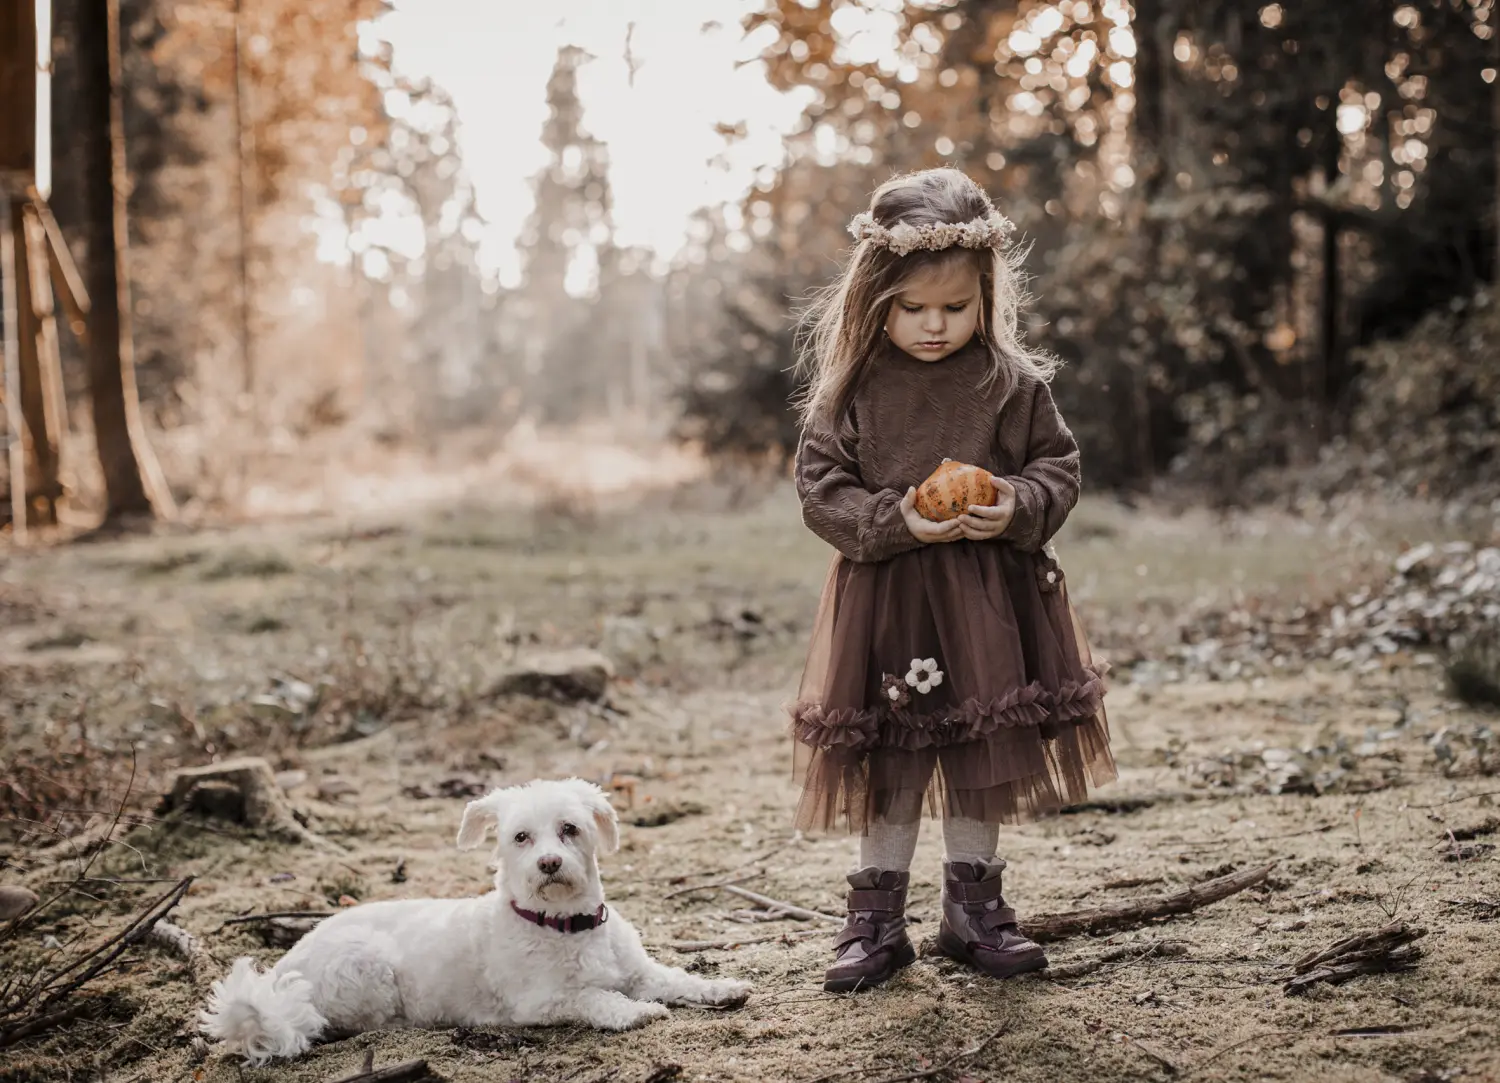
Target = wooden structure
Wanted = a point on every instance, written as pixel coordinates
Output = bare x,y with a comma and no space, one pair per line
36,269
33,260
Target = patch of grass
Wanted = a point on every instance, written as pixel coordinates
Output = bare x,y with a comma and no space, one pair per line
249,564
168,563
69,639
344,884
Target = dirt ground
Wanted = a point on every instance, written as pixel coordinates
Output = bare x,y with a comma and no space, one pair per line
175,644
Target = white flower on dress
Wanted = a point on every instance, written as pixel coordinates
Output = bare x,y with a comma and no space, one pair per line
924,675
895,693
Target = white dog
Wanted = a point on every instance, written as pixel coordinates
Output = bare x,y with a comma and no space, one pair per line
542,948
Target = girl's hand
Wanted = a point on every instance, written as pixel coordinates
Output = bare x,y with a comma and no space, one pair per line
925,530
987,524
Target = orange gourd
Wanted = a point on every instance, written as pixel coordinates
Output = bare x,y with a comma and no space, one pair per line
951,488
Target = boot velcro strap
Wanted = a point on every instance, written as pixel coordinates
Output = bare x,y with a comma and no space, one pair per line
870,899
998,918
984,891
859,930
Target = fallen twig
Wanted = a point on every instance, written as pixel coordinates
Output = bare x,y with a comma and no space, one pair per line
775,904
41,1023
203,967
1388,936
1171,1066
756,860
843,1072
114,947
410,1071
1403,958
1119,916
175,938
1232,1046
947,1065
1120,805
1130,952
1456,800
711,885
26,921
247,919
1386,949
113,880
727,945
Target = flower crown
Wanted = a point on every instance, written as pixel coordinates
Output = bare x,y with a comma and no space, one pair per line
991,231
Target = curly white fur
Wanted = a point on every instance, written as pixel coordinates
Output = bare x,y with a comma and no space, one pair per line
261,1014
470,962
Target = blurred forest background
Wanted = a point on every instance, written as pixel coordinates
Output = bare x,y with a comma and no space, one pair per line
1264,238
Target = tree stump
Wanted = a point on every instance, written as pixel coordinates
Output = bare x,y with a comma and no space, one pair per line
566,676
242,791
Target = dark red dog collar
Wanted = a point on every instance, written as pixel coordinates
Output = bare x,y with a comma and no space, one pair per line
572,923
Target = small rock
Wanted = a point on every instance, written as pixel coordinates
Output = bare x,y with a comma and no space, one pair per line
398,874
659,815
631,642
456,787
283,877
1414,556
284,932
568,676
348,900
333,787
15,901
290,780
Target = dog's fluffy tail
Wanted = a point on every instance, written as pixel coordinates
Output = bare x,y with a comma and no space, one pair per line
262,1014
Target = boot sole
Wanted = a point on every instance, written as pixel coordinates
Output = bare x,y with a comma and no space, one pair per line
903,958
954,948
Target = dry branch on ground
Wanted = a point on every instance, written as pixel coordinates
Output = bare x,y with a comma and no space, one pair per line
1388,948
1119,916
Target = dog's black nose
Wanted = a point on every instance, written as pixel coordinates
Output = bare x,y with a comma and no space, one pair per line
549,864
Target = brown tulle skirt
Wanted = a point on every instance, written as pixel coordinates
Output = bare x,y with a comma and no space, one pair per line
1015,727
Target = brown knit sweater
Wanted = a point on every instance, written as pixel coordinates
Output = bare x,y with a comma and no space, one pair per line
910,415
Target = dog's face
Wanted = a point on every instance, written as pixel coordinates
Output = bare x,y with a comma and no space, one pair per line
548,834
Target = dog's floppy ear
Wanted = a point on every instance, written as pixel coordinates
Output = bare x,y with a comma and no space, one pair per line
480,816
605,818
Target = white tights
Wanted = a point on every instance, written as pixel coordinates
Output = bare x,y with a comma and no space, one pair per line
891,845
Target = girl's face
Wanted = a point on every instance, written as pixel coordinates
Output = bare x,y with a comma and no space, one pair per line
936,311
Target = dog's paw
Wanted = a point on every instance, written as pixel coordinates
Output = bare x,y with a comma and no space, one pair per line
723,993
637,1013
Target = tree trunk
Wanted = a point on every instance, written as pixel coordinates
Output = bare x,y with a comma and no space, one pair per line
38,403
1152,27
1330,384
130,470
10,360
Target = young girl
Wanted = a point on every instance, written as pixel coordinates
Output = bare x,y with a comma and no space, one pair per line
945,661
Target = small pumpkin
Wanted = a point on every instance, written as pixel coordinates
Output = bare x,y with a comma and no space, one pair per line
951,488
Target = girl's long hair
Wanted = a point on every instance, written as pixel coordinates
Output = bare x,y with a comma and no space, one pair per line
839,331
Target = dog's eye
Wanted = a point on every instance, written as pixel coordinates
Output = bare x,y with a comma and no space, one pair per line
569,830
522,838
